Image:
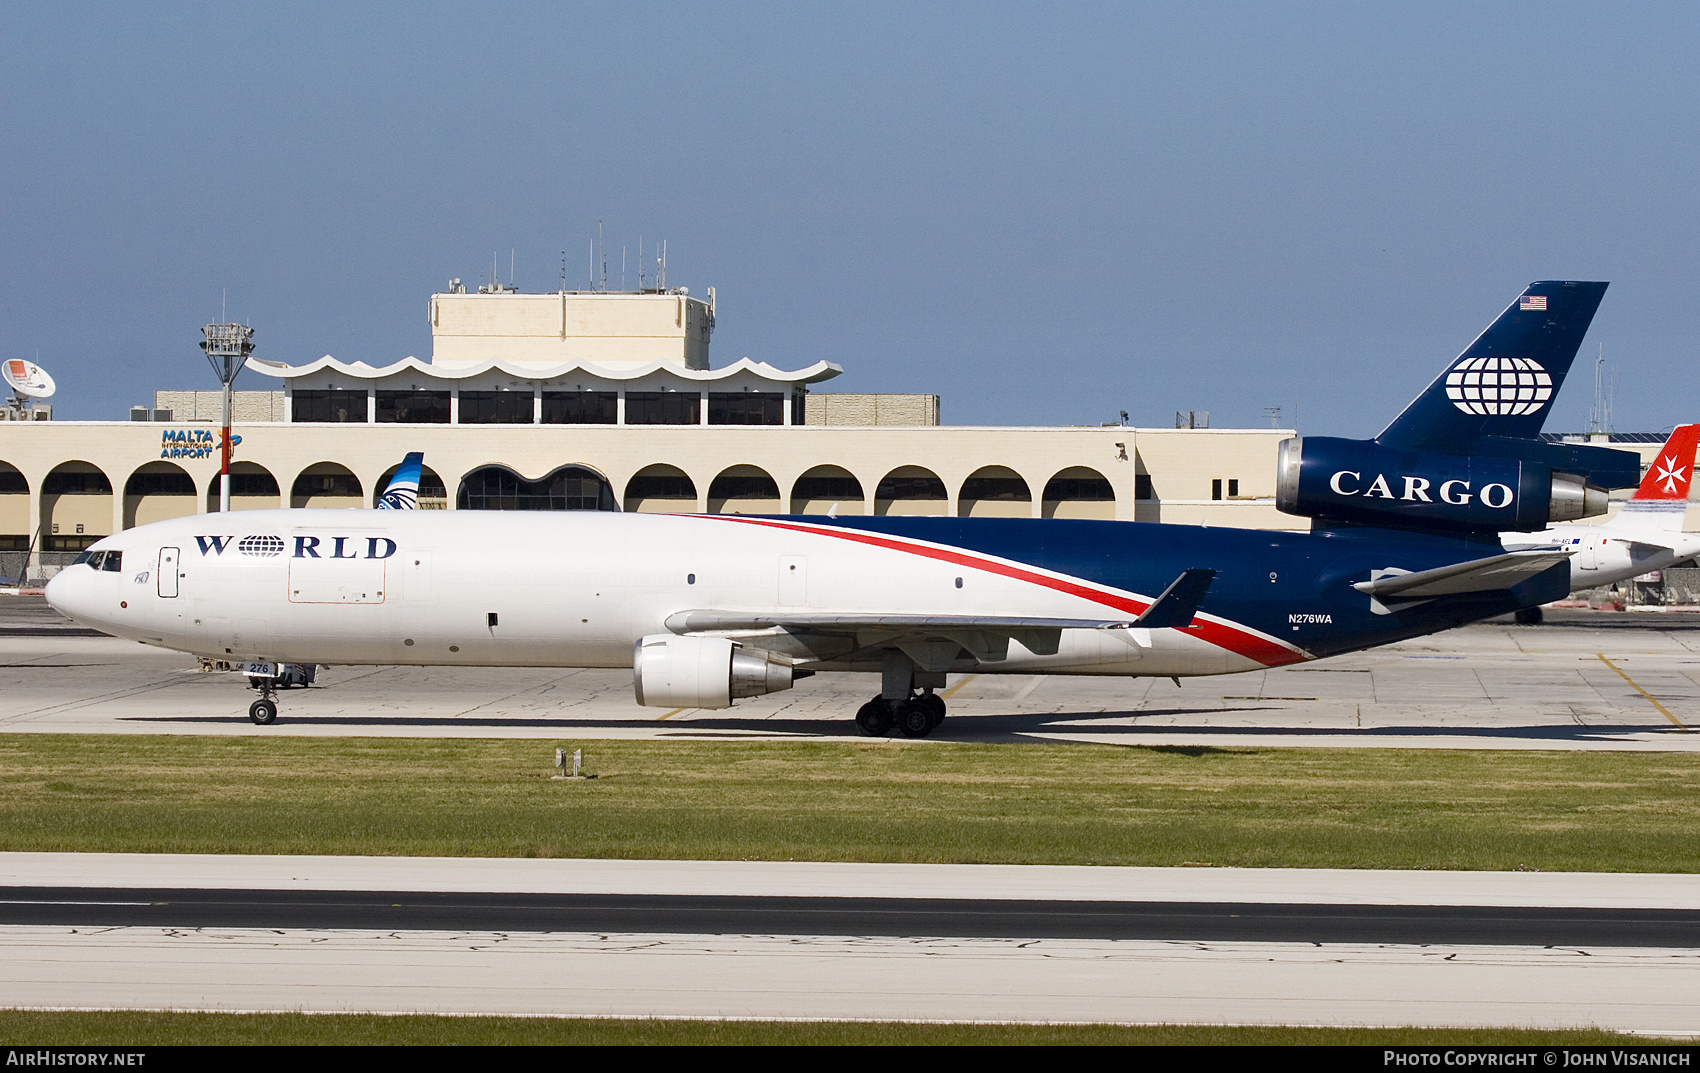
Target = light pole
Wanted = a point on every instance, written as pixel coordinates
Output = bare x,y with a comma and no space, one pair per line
227,348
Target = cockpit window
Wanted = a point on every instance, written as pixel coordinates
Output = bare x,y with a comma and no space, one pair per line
114,562
85,557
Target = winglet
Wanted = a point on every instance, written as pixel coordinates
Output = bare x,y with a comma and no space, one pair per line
1179,601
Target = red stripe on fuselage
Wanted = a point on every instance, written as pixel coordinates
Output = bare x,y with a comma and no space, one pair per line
1234,639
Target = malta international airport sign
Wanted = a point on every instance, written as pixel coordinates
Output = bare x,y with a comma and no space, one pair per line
191,442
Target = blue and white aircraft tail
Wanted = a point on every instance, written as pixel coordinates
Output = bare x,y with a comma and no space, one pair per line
402,493
707,609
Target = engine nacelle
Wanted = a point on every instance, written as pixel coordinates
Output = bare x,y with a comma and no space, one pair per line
669,671
1361,481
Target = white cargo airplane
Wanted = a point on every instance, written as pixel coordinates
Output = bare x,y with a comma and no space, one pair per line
706,609
1645,535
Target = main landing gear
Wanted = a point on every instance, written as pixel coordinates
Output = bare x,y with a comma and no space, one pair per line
915,716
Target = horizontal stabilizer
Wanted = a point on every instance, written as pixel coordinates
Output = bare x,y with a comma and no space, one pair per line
1179,601
1478,575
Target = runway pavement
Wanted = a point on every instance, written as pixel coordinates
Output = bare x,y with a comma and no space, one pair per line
1586,680
883,972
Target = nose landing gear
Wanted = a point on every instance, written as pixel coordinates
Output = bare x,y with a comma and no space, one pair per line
264,710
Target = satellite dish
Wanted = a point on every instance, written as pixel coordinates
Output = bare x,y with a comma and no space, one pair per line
27,378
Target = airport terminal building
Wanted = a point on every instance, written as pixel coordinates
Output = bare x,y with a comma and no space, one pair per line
600,401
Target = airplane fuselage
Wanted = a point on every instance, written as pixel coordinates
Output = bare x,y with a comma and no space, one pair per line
579,589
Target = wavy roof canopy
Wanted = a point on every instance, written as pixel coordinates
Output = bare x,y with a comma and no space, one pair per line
820,370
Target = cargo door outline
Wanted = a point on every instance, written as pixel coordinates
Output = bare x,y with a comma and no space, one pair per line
166,575
336,581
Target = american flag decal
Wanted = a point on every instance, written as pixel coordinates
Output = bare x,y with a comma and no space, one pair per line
1536,302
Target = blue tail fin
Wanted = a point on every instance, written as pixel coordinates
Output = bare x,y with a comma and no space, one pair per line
1504,383
403,490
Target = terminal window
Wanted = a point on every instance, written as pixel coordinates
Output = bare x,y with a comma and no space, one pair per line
737,486
1085,489
495,408
328,406
414,407
746,408
76,483
663,408
251,484
570,488
579,407
159,484
1009,489
1142,486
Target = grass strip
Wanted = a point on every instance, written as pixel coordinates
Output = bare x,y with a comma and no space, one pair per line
25,1028
875,801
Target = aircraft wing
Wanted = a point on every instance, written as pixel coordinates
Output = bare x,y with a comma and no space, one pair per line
1174,608
711,621
1478,575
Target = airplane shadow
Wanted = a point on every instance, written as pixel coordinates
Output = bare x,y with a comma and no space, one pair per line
958,728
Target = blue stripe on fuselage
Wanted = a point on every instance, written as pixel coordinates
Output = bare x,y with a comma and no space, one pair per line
1264,577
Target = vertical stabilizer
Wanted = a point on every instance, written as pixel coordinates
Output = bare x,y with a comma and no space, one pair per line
403,490
1662,499
1503,384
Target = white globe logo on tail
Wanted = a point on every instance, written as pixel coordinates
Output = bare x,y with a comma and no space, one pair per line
1498,386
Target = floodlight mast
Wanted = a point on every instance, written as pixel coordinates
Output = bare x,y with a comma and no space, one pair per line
227,347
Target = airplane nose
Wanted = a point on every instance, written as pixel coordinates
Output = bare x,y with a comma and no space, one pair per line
67,593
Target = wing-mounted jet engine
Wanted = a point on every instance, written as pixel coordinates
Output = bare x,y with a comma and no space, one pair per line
1465,456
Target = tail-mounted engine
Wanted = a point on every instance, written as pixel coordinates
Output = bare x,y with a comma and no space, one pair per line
1363,482
669,671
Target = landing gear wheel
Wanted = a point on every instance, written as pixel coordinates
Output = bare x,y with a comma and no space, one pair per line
1528,616
262,712
934,704
915,719
874,718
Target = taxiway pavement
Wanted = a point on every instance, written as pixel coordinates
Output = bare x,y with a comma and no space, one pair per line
1585,680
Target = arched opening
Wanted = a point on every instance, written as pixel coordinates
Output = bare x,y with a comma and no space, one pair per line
744,490
252,487
824,487
157,491
567,488
14,524
1079,492
327,484
661,489
433,493
994,492
911,490
76,507
14,513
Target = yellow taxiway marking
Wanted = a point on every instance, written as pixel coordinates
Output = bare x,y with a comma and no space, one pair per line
964,680
676,711
1650,698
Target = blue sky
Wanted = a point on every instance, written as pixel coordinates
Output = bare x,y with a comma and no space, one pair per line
1044,215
